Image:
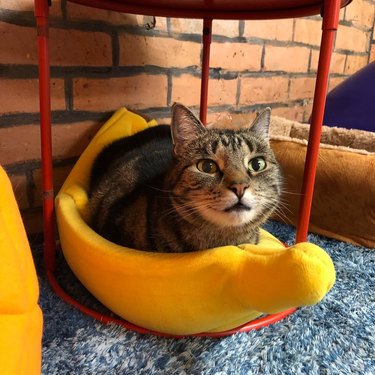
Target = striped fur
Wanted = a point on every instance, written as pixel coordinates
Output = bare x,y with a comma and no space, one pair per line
149,191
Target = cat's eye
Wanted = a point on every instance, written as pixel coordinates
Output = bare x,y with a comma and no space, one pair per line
257,164
207,166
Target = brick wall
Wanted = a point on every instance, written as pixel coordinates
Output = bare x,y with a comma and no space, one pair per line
103,60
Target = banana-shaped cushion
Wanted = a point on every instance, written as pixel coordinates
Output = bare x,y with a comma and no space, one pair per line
205,291
21,319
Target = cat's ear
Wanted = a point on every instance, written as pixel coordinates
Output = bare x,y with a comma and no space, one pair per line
185,127
261,124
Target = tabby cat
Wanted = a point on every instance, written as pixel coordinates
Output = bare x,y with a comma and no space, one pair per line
185,187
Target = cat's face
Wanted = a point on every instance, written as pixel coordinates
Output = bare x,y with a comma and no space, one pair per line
229,178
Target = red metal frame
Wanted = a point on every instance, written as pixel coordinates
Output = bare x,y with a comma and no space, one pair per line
329,27
41,14
254,324
206,39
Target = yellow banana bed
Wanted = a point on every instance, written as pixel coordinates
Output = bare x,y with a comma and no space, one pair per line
206,291
21,319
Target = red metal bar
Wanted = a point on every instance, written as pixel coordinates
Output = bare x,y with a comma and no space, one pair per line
106,319
207,36
329,27
41,14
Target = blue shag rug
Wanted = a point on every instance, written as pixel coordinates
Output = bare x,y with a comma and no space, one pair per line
337,336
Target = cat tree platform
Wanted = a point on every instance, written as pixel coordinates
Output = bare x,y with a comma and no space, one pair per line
206,10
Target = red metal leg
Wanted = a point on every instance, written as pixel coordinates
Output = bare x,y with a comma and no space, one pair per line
41,14
207,34
330,22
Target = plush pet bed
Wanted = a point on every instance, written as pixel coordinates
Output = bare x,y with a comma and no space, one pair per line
206,291
344,196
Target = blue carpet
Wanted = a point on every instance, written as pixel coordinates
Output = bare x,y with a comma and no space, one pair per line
336,336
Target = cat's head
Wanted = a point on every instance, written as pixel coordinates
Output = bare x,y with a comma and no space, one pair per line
227,177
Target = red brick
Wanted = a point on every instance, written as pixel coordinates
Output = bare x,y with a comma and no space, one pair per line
67,141
238,120
314,60
270,29
57,94
212,117
290,59
301,88
186,90
308,31
22,5
18,144
361,13
22,95
55,9
141,91
28,6
219,120
166,52
256,90
337,62
78,12
72,47
70,140
225,120
222,92
349,38
291,113
335,81
18,44
186,26
227,28
372,53
236,56
355,63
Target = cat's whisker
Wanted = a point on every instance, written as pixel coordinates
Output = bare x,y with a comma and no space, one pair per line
272,203
281,214
187,208
290,193
279,210
284,205
159,189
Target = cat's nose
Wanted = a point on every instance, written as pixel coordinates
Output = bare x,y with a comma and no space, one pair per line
239,189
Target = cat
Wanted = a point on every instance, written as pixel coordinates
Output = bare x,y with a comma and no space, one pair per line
184,187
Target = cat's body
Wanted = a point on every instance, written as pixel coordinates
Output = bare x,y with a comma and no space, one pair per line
185,188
